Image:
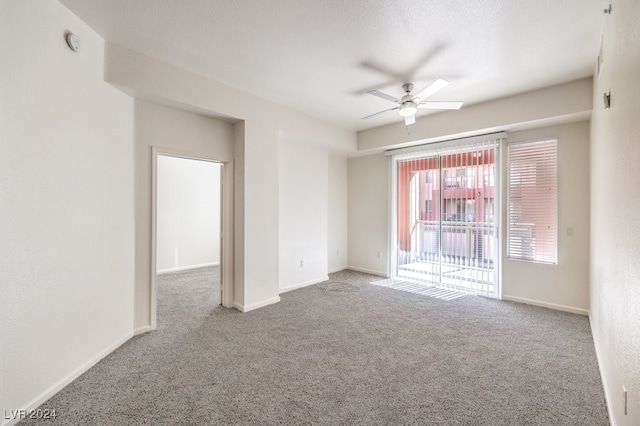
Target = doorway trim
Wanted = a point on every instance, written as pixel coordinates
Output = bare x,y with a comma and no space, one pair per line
226,226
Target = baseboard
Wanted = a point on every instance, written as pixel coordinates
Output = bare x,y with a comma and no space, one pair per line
338,269
368,271
555,306
142,330
186,268
56,387
607,395
304,284
252,306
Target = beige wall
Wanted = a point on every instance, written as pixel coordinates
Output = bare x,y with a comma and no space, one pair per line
562,286
187,213
566,284
303,214
542,112
615,205
257,136
565,103
68,182
562,103
369,182
180,132
337,239
66,204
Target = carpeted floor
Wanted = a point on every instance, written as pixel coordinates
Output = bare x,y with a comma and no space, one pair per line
376,356
186,296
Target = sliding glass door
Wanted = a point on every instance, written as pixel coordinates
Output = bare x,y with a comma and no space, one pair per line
445,217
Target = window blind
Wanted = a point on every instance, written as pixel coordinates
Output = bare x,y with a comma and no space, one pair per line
445,230
533,201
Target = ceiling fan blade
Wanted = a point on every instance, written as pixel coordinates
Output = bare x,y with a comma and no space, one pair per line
432,88
409,119
383,96
440,104
380,112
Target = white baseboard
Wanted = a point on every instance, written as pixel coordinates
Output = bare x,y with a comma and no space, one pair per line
186,268
142,330
252,306
304,284
368,271
603,377
58,386
338,269
555,306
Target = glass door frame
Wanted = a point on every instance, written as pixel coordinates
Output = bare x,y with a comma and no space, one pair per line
437,149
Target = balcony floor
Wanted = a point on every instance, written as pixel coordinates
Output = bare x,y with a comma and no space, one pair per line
455,276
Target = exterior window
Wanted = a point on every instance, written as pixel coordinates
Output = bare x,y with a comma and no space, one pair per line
450,180
460,178
489,208
429,176
470,177
489,176
533,201
428,206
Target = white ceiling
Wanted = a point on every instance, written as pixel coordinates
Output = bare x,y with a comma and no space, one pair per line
321,56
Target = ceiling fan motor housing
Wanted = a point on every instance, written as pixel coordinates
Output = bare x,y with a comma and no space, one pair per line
407,87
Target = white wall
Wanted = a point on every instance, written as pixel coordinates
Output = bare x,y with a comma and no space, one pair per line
543,111
565,285
66,216
337,213
188,213
369,186
180,132
256,159
549,105
615,203
303,214
238,213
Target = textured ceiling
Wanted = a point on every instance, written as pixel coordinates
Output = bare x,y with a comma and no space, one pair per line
321,56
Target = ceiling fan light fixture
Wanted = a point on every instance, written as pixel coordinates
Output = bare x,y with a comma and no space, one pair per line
408,109
408,105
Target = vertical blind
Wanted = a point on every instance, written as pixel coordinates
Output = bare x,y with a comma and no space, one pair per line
445,215
532,200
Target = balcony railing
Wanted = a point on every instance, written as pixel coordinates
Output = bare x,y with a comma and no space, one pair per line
460,182
467,241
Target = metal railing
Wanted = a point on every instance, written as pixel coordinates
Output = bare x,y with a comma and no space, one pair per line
455,240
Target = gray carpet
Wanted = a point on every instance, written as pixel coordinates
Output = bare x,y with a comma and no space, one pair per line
376,356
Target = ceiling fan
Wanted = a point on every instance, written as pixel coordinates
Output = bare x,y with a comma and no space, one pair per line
408,105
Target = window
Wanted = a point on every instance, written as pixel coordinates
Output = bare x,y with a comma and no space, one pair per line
489,208
428,206
470,177
489,176
532,200
450,179
430,176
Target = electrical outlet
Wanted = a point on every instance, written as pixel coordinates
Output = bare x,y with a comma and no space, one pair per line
337,252
624,399
302,263
570,231
379,255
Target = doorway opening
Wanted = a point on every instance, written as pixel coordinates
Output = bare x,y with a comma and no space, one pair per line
187,237
446,221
